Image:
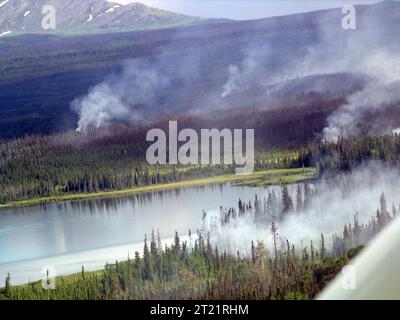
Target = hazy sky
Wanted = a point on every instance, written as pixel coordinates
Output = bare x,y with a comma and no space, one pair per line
244,9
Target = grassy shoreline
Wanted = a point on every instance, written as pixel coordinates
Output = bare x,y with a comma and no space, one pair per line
258,178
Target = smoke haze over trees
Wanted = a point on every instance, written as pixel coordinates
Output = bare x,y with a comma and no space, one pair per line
260,70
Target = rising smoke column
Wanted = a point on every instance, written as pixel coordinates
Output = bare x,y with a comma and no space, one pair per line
370,51
100,106
121,97
382,92
148,88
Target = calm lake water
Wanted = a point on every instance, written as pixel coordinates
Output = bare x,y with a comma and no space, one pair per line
92,232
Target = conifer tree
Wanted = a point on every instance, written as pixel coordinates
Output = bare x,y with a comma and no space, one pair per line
306,257
253,253
137,260
153,245
83,272
177,246
323,249
312,251
159,244
147,272
7,288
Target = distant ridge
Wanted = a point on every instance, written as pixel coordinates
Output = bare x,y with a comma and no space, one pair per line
85,17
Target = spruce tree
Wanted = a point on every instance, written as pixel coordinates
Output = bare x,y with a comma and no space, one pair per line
159,244
177,246
153,245
312,251
323,249
83,273
7,288
147,272
137,260
253,253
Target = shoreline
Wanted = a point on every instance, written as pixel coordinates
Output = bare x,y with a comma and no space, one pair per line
277,177
69,265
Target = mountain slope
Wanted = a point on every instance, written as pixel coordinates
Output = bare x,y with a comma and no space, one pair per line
189,68
84,17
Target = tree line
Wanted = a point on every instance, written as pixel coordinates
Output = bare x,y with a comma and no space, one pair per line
35,167
60,164
196,271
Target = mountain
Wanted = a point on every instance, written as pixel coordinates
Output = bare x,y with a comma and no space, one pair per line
295,69
85,17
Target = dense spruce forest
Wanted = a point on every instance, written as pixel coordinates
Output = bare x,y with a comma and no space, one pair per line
203,272
59,164
41,166
200,273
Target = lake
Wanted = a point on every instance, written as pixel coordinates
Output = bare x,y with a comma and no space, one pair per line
67,235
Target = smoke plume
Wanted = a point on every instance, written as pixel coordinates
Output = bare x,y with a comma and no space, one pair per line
369,51
334,204
121,97
282,49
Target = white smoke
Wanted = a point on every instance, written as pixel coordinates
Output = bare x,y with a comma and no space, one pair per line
257,68
344,122
234,81
100,106
370,50
248,73
122,97
334,205
179,83
382,92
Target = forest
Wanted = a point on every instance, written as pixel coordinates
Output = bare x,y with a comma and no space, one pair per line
194,268
35,167
74,114
42,166
202,273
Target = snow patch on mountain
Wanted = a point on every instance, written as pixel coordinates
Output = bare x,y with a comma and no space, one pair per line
81,17
5,33
112,9
3,3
